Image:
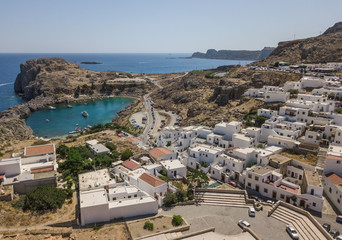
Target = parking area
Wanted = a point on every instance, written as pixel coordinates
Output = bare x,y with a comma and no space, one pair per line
225,219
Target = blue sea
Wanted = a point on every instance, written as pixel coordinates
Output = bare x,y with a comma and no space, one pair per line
126,62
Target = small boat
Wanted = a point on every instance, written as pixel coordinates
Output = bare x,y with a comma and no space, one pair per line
85,114
69,106
73,132
52,108
76,124
47,120
89,126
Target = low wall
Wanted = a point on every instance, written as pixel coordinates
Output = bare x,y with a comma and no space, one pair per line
212,229
305,213
250,231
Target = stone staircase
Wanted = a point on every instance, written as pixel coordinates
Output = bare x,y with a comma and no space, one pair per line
305,228
321,157
220,199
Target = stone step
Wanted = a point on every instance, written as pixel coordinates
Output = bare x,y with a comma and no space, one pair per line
303,225
221,197
289,222
224,205
221,200
310,224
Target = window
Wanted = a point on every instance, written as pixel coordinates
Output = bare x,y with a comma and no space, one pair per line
114,198
282,196
265,190
249,175
314,204
233,164
213,172
330,190
249,184
338,200
338,162
135,195
129,196
256,178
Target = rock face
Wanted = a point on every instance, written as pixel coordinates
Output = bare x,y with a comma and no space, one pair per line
234,54
324,48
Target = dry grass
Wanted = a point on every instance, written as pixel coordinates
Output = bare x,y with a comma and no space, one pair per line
308,158
107,232
161,224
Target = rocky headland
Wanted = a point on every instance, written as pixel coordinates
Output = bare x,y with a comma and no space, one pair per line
48,81
235,54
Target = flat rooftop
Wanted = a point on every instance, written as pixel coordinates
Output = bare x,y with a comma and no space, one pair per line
93,197
206,148
278,158
172,164
90,180
312,178
262,170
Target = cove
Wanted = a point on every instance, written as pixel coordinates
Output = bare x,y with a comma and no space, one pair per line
59,122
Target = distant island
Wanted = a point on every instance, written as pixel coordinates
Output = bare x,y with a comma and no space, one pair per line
91,62
235,54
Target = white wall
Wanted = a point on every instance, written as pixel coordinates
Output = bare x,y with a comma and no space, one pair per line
333,193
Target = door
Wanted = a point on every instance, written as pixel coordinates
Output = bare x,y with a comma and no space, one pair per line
274,194
257,188
174,173
302,203
287,199
223,177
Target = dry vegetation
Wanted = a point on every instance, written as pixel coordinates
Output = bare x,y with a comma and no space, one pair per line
161,224
308,158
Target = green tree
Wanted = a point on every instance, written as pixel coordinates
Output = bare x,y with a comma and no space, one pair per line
169,199
198,178
181,195
177,220
44,198
110,146
62,150
126,154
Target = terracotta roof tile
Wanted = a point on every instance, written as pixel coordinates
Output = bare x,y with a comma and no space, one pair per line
39,170
159,152
152,180
334,178
131,164
39,150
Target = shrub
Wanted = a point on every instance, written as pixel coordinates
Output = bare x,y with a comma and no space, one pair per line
177,220
110,146
40,142
181,195
44,198
169,199
126,154
148,225
168,144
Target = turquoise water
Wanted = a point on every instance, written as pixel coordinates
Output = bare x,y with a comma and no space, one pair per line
64,119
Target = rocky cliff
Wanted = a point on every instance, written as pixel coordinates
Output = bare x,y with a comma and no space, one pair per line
234,54
323,48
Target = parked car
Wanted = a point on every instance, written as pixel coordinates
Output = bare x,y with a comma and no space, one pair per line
339,219
326,226
251,212
292,232
334,233
339,237
243,223
270,201
256,198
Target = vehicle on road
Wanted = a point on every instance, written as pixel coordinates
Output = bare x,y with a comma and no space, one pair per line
334,233
251,212
339,219
292,232
326,226
270,201
256,198
243,224
339,237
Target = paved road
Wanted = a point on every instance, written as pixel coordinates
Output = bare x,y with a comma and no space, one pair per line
151,116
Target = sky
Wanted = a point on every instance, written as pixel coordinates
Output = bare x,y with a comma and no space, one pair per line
158,26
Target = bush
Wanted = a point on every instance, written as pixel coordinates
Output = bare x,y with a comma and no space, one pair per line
169,199
126,154
148,225
177,220
40,142
181,195
110,146
62,150
44,198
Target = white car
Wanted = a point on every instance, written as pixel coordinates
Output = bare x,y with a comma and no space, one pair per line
243,223
292,232
270,201
251,212
339,237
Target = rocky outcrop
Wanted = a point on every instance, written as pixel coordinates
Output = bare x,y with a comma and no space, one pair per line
222,95
324,48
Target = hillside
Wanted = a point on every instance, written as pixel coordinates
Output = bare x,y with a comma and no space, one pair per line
201,98
234,54
323,48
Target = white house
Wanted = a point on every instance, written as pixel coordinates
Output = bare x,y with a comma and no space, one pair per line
161,153
154,186
312,82
174,169
333,189
98,149
333,162
267,112
291,85
202,154
277,96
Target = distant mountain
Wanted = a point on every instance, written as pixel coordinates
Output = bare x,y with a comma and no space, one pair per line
234,54
323,48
